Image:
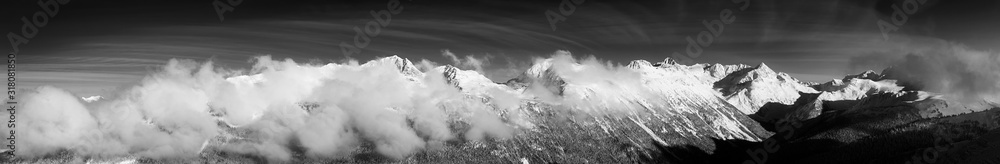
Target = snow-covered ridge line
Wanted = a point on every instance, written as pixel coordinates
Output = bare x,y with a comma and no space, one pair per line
615,90
747,87
406,109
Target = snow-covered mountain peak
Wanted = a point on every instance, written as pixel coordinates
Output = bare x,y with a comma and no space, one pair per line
402,64
539,69
720,71
639,64
761,72
450,72
763,66
542,74
749,88
666,62
869,74
669,91
471,82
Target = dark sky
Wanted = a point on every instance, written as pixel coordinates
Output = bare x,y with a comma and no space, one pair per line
91,46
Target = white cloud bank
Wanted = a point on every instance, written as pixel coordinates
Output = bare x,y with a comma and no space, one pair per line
170,113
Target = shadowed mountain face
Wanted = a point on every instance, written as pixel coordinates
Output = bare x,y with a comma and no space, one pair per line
879,127
561,110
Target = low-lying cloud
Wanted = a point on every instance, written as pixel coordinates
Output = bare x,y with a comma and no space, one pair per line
329,111
952,69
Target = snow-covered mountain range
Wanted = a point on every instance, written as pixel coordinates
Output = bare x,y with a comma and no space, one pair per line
561,109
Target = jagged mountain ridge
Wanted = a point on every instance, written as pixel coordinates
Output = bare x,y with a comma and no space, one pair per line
865,96
868,118
557,107
695,118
